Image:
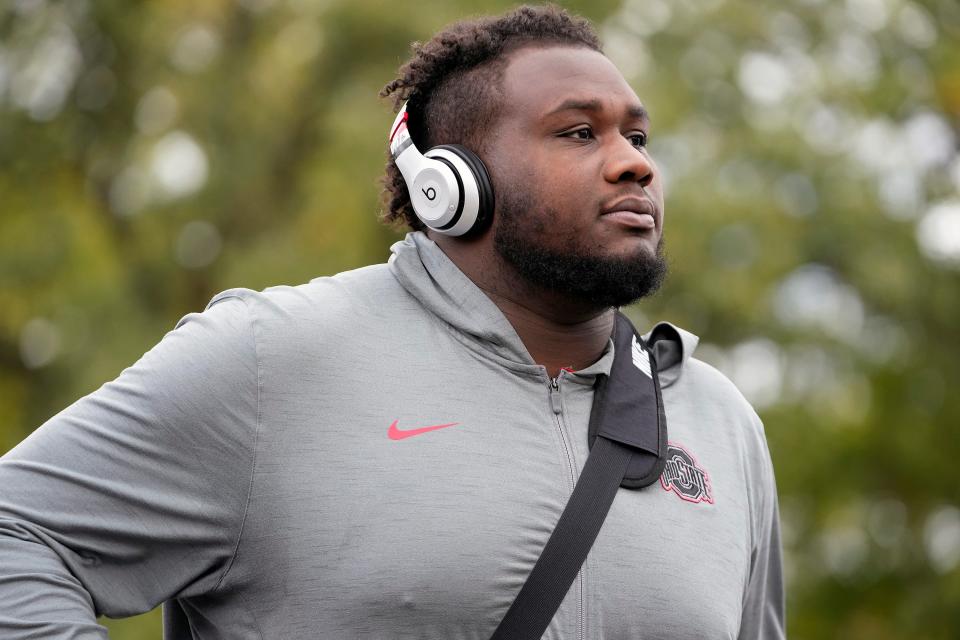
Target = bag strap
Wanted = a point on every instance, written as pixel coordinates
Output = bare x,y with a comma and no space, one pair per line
603,473
560,561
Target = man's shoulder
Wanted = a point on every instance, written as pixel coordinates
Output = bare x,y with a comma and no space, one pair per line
359,291
327,316
711,380
708,386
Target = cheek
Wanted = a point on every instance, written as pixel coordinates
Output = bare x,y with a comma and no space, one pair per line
510,179
518,185
570,190
550,199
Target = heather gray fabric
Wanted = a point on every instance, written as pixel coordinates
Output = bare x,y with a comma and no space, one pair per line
242,471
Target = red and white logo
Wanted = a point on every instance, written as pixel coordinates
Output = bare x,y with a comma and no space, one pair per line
684,476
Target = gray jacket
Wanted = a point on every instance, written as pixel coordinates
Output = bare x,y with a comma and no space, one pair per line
267,470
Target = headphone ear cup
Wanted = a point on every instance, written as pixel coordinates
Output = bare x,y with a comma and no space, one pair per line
478,180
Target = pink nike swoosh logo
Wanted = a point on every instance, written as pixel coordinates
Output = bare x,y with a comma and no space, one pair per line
397,434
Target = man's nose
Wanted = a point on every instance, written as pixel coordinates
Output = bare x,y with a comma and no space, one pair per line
628,163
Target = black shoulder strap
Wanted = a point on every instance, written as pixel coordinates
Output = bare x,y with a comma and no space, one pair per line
628,442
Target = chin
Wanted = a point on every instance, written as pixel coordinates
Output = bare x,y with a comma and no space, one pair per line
598,279
629,247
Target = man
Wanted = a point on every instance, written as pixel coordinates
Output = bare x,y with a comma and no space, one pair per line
384,453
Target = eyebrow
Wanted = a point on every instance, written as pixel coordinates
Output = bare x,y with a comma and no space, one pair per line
634,111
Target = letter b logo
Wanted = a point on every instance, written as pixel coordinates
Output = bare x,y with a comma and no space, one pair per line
430,193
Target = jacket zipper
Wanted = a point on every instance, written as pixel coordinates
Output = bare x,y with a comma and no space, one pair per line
557,407
557,412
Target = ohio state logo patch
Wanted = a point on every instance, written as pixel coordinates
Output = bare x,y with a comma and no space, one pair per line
684,476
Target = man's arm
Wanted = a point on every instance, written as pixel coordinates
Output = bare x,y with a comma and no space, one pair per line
135,493
763,616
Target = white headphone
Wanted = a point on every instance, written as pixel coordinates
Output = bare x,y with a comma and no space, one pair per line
449,187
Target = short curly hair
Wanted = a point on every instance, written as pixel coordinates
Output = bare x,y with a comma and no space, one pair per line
452,84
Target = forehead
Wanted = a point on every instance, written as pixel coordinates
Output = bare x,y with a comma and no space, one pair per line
537,80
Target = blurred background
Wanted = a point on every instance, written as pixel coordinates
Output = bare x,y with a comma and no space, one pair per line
155,153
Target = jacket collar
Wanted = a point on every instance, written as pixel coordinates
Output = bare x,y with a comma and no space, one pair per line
672,347
426,272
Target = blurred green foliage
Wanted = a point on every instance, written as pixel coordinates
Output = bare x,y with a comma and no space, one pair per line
155,153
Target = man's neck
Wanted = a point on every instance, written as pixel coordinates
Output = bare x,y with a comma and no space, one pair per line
557,332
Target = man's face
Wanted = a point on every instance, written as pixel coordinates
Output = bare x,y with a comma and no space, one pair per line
579,200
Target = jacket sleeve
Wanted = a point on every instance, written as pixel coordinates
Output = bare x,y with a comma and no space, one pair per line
763,616
136,493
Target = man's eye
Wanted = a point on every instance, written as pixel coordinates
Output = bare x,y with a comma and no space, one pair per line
584,133
639,140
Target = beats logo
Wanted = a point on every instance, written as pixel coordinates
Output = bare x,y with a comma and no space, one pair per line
430,192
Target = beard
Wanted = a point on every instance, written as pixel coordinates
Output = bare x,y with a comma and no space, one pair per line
574,269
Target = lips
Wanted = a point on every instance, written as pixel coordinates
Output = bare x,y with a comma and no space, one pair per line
632,211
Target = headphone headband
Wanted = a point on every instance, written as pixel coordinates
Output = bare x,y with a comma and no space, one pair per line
399,132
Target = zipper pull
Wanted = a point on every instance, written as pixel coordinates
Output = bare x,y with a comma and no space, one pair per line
555,395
